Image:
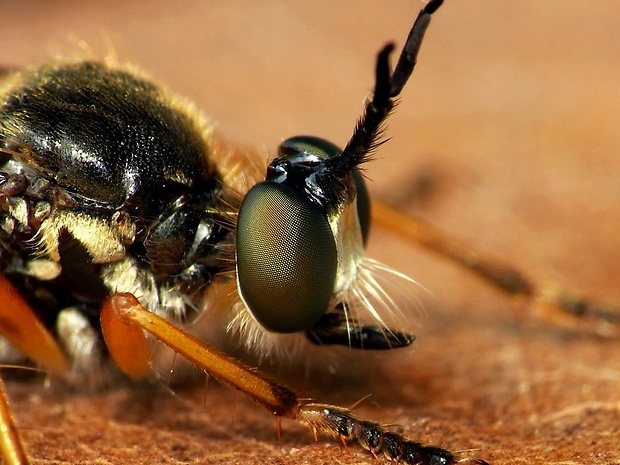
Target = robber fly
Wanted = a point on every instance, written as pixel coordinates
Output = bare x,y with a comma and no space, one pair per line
121,214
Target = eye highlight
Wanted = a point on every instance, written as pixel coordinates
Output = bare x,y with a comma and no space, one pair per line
286,258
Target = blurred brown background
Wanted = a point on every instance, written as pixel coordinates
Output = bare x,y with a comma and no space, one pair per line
509,131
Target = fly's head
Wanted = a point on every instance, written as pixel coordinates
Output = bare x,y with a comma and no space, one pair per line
300,245
301,232
299,237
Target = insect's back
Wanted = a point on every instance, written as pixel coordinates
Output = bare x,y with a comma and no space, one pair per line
107,137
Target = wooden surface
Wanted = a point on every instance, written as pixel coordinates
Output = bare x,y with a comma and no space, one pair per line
510,125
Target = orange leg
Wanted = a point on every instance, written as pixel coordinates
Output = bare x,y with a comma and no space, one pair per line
20,326
548,303
11,447
123,320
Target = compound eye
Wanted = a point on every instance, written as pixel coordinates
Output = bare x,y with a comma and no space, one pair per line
286,258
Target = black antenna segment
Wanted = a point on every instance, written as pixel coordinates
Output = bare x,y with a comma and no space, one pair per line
388,85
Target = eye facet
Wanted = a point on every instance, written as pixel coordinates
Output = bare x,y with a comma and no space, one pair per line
286,258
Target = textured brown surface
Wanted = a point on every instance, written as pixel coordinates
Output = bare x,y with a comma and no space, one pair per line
511,121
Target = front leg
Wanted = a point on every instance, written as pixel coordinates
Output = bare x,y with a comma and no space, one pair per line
124,320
